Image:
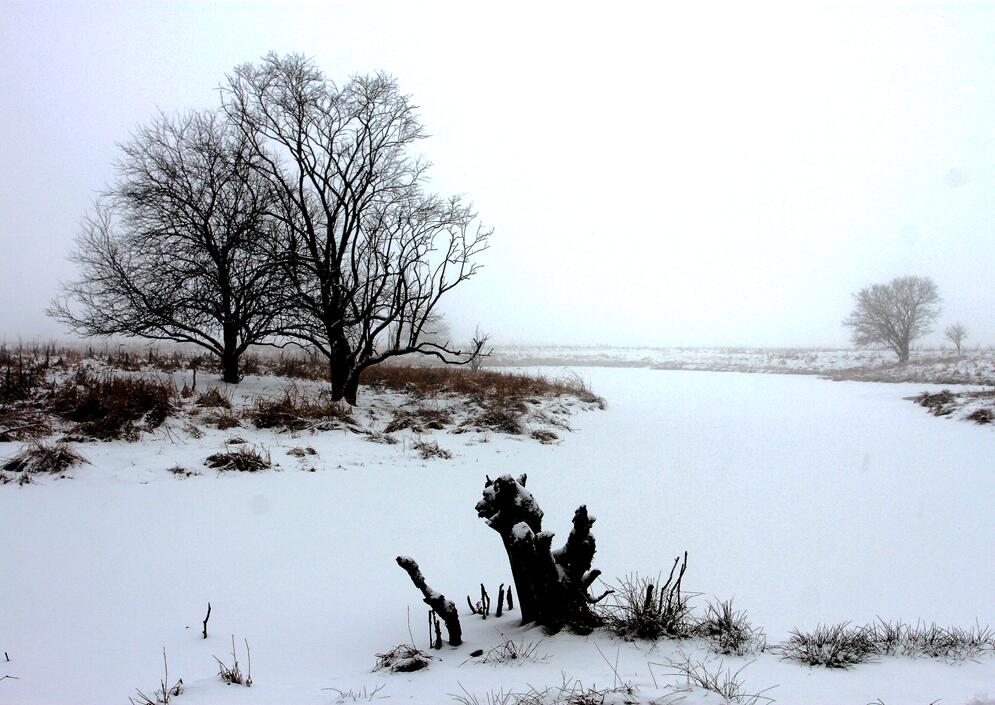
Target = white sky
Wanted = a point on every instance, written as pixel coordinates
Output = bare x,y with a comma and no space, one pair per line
658,174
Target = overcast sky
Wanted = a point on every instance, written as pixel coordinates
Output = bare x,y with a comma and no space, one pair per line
683,174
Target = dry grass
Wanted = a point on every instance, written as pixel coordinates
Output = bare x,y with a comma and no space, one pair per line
484,385
245,459
430,449
297,410
214,398
646,608
108,407
41,457
403,658
832,646
729,631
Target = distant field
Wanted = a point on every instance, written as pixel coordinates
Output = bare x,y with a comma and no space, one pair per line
934,366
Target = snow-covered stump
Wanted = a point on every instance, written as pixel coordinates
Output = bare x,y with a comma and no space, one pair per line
434,599
552,585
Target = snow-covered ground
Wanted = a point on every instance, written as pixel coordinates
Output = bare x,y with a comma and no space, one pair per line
810,501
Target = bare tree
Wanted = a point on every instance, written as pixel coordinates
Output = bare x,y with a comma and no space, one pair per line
181,247
894,314
370,253
479,342
956,333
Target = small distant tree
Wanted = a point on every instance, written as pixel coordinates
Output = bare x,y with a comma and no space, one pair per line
479,342
956,333
894,314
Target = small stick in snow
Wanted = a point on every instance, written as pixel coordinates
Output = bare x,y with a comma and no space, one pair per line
511,605
485,601
500,600
473,610
6,656
207,618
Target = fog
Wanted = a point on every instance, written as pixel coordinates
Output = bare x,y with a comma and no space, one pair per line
655,176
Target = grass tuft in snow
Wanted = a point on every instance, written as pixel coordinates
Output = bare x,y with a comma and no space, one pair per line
430,449
41,457
232,675
358,696
645,608
720,680
214,398
931,641
510,651
403,658
164,694
729,632
832,646
246,459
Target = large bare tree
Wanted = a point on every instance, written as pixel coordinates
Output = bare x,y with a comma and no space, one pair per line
369,252
182,246
894,314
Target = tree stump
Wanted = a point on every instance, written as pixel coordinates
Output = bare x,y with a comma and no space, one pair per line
552,584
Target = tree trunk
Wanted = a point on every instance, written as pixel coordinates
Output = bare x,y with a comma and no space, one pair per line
229,362
552,585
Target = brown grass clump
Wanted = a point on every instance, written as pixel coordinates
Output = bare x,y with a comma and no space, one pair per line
486,385
44,458
296,411
500,416
109,406
23,423
419,420
224,420
245,459
214,398
430,449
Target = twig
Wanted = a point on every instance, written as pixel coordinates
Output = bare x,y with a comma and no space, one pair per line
207,618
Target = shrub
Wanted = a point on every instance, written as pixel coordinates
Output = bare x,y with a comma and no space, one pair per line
245,459
981,416
44,458
832,646
109,406
729,631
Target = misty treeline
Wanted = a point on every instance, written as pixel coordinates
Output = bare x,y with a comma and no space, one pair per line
294,212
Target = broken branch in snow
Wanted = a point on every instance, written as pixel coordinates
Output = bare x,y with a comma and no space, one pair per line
207,618
434,599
